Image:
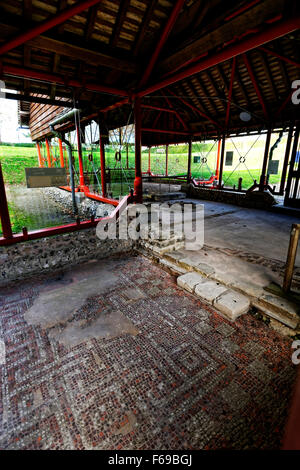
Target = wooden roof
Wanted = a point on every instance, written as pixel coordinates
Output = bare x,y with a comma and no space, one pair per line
111,44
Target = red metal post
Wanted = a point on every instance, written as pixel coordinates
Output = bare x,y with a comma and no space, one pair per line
61,153
273,32
41,162
4,213
291,439
102,161
48,153
47,24
170,23
149,161
79,148
189,168
167,158
257,90
138,183
222,161
218,159
230,92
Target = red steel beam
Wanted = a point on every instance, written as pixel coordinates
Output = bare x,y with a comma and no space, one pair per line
241,10
257,90
271,33
230,91
165,131
114,106
47,24
176,113
194,108
279,56
164,36
60,80
157,108
284,104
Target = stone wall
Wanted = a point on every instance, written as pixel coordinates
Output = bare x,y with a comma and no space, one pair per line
60,251
255,199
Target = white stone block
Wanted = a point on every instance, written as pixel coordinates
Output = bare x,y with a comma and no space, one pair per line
232,304
210,290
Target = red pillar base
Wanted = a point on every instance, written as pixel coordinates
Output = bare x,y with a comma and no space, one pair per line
138,189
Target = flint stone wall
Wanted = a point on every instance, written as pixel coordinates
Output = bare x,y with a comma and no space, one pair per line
52,253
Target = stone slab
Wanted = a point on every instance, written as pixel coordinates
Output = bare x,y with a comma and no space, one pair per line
189,281
210,290
232,304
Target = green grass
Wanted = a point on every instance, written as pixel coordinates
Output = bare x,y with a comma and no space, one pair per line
13,162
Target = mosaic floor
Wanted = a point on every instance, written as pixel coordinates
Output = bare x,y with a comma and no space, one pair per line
177,376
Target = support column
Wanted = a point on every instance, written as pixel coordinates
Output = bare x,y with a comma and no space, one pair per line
127,157
138,182
4,214
262,180
292,164
286,159
167,158
218,159
189,172
222,161
149,161
81,174
48,153
102,161
61,153
41,163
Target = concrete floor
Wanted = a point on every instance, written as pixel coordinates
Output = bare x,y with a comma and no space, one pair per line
251,230
113,355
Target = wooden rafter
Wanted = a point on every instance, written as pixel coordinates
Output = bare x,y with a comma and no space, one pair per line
27,10
92,57
119,22
91,20
265,66
144,25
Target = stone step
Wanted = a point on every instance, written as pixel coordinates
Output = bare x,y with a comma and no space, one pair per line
168,196
229,302
240,299
280,309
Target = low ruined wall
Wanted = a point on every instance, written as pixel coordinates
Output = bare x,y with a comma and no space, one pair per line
255,199
60,251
